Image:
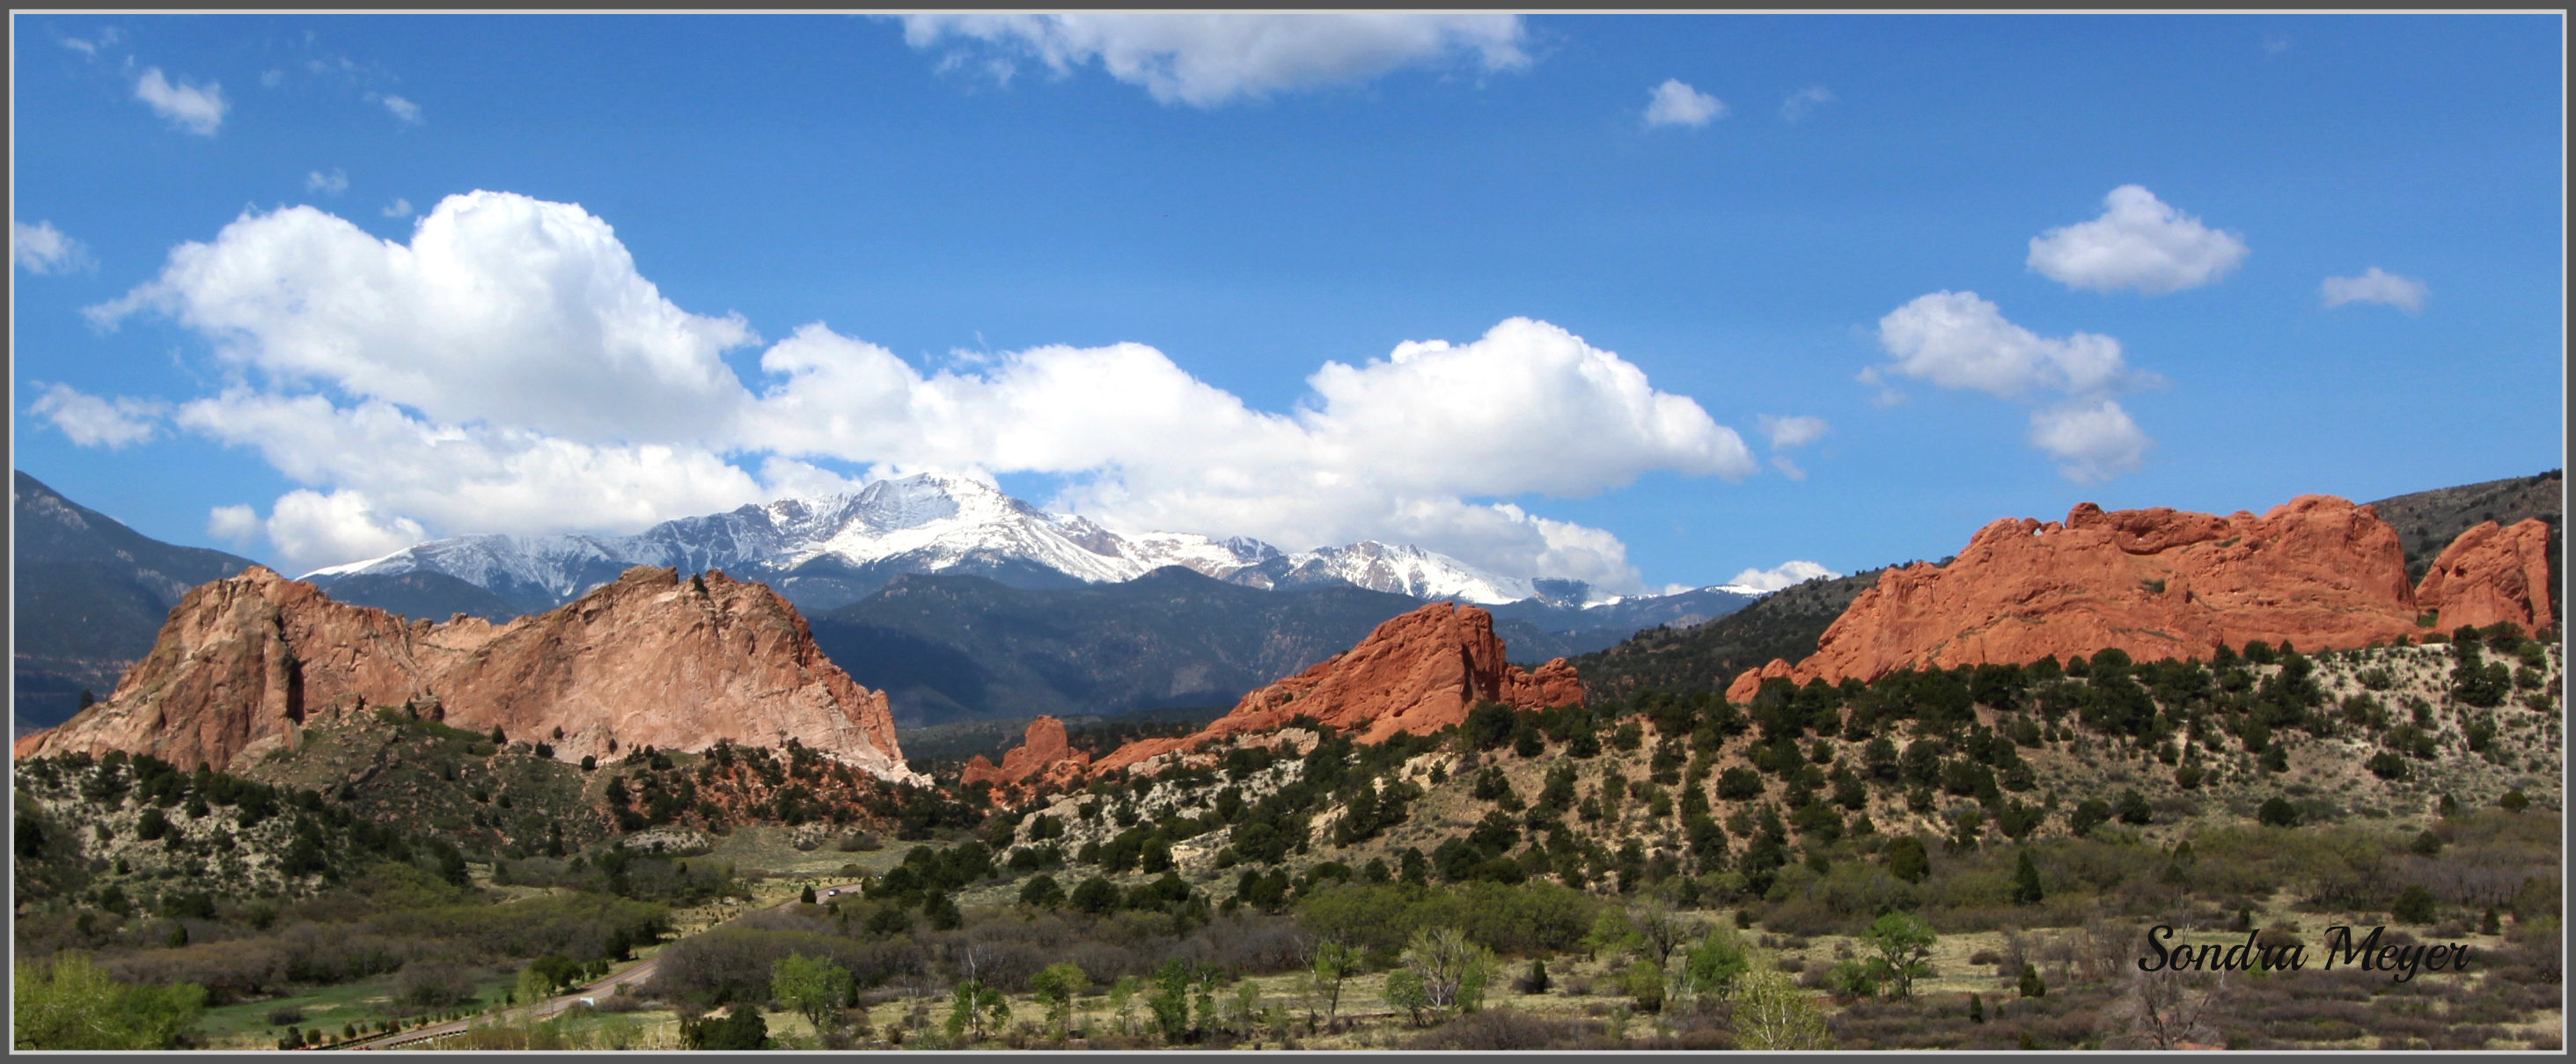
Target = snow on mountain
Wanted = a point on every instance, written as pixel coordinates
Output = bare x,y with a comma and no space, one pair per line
827,551
1403,570
823,553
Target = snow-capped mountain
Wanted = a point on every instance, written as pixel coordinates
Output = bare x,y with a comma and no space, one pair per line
1382,567
827,552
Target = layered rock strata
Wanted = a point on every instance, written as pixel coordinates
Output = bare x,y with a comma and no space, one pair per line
647,660
2318,572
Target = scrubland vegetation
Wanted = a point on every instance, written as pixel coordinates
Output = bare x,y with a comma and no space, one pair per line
1960,858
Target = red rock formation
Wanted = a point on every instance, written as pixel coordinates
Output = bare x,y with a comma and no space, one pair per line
1417,673
650,660
1044,755
2492,574
2318,571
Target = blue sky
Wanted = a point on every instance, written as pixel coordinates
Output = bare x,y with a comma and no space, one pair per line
2216,262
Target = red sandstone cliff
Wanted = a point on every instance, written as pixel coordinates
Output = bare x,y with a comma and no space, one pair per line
1044,755
1417,673
2317,571
2490,575
650,660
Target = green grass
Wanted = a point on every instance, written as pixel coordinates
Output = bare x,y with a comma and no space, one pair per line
325,1007
361,1002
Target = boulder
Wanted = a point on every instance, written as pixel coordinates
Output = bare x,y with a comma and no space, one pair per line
1044,754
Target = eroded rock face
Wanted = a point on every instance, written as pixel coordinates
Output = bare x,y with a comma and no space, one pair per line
2492,574
649,660
1043,756
2318,571
1417,673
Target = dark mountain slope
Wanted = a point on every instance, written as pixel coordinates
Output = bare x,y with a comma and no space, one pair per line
2427,521
1784,624
425,595
91,596
952,648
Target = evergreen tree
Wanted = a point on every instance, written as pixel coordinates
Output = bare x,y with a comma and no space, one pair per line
2026,889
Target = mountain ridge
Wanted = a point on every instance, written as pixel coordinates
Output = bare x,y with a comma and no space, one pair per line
828,552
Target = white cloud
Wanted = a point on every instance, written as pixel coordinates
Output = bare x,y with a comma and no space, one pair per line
1206,59
2094,440
238,525
1788,574
1528,408
272,78
92,421
501,308
399,208
1804,102
312,530
404,109
508,370
1675,104
199,111
335,182
106,38
2139,242
471,478
1956,340
1788,432
1787,468
2376,286
43,249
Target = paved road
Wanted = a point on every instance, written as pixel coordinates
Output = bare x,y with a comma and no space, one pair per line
551,1006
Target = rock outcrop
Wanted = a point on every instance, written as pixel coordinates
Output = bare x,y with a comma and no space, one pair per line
2317,571
648,660
1417,673
2492,574
1043,756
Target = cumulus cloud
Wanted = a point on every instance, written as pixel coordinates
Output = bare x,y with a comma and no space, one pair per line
1528,408
1207,59
1676,104
196,110
43,249
238,525
335,182
1804,102
509,370
311,529
2093,441
403,109
2139,242
470,477
2376,286
1956,340
1787,574
501,308
93,421
399,208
